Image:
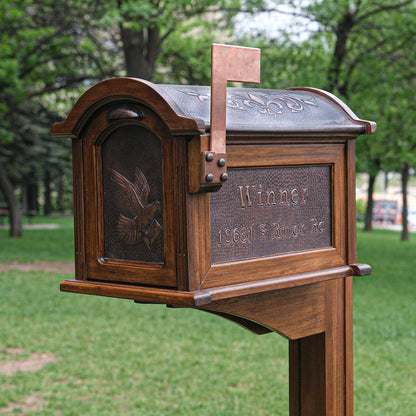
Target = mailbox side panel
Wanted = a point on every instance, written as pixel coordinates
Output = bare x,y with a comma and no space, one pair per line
133,195
282,213
125,214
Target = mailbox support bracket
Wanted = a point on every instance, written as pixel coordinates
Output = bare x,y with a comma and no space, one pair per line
317,320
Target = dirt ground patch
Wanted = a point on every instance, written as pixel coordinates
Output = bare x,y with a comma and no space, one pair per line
35,226
47,266
34,362
13,351
32,403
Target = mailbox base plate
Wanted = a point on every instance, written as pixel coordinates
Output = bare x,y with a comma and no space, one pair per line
199,298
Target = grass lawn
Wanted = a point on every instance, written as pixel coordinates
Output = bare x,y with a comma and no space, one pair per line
113,357
385,326
40,245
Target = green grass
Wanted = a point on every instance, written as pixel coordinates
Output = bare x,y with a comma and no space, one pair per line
118,358
39,245
115,357
385,326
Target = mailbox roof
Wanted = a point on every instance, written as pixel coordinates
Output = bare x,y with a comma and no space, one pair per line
186,109
289,111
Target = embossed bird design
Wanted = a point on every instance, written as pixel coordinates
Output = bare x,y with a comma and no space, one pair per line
142,225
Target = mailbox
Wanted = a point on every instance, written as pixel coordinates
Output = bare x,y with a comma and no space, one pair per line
145,227
238,201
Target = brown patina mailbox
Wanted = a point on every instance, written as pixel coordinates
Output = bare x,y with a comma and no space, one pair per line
262,232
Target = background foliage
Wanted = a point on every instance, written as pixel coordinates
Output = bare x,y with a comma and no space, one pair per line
52,51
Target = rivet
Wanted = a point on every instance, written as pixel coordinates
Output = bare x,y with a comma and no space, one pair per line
221,163
209,177
224,176
209,157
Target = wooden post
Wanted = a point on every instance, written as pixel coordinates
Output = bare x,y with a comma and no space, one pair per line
320,366
317,319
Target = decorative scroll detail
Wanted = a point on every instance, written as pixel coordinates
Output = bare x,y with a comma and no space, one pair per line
125,111
142,225
270,104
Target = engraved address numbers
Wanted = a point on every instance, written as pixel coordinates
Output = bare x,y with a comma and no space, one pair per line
274,231
269,211
237,235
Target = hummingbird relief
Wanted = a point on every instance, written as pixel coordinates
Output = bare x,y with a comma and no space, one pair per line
142,225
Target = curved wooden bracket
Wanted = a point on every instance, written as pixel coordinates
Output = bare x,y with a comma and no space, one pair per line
245,323
294,313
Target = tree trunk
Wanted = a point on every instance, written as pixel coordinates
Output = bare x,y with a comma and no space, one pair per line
141,49
25,198
60,199
405,179
135,60
47,208
32,197
368,225
339,54
16,224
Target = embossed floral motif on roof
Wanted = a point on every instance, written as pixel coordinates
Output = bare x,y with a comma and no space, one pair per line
271,104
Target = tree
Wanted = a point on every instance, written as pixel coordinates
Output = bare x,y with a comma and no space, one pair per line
145,26
401,152
45,46
362,51
369,43
50,47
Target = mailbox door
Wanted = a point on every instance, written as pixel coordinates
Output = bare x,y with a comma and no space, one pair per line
124,214
282,212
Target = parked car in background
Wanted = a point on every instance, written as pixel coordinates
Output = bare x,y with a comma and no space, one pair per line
385,211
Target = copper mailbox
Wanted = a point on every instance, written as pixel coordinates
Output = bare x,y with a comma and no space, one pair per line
145,227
